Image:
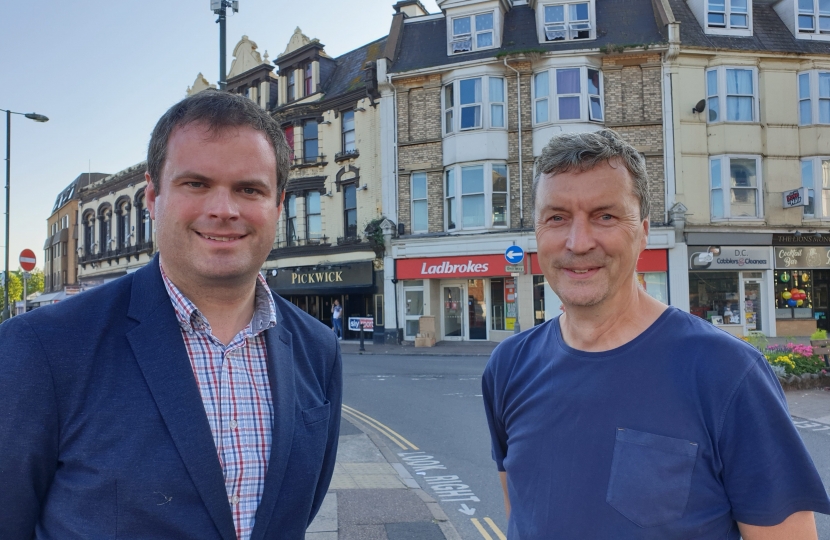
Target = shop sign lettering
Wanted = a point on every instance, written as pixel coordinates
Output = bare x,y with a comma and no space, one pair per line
316,277
802,257
446,268
726,257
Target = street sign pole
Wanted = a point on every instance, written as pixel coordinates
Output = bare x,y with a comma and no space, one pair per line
515,256
517,327
25,291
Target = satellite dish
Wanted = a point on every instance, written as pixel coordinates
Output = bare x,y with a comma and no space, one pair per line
700,107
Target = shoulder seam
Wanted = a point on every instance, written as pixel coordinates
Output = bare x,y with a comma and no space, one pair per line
733,392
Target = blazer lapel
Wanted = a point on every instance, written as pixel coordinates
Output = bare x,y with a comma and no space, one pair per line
281,378
159,349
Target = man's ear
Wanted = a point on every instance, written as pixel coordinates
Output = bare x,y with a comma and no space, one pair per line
646,227
150,196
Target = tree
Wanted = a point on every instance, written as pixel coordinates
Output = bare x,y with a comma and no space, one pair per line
15,290
35,281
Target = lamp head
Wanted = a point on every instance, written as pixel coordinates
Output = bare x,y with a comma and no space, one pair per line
36,117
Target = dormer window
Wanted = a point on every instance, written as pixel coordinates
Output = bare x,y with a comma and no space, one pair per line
727,14
290,93
472,33
813,16
307,75
566,21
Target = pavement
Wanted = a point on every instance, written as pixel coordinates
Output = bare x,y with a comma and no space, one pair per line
813,405
373,497
407,348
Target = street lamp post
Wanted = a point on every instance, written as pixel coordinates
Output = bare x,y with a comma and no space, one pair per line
37,118
219,7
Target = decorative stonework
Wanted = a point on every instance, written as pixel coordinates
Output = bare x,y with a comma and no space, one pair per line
199,84
245,57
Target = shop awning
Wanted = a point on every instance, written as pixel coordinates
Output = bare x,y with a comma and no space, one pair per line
48,298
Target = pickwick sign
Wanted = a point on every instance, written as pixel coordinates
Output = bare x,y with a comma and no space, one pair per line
802,257
451,267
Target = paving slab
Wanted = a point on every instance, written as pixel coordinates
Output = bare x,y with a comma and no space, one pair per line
358,449
810,404
380,506
363,532
414,531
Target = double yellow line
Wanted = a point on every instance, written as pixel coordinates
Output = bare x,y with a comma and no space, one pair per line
393,435
500,535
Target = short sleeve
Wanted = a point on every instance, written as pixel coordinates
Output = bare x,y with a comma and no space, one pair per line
767,472
498,435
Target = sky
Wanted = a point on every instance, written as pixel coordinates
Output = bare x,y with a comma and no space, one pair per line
104,71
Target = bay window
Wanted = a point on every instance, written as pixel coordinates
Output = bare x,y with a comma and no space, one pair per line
813,97
563,94
474,103
815,176
475,196
562,21
472,33
735,187
733,90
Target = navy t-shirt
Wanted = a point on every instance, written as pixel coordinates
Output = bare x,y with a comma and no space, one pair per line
677,434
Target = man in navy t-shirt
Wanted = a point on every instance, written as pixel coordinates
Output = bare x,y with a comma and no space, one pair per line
622,418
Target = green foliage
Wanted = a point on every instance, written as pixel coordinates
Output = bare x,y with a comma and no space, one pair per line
819,335
15,290
794,359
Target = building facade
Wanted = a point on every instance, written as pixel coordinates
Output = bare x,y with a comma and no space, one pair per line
475,93
115,232
749,85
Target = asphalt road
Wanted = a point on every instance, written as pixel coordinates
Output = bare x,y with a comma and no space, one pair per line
434,403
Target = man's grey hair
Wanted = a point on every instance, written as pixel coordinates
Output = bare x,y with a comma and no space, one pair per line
218,111
580,152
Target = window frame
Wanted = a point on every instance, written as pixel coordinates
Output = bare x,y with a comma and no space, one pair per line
567,23
453,38
722,96
291,220
306,140
452,114
816,15
814,98
344,132
726,188
308,215
413,200
456,198
308,79
290,86
346,186
585,113
728,28
820,212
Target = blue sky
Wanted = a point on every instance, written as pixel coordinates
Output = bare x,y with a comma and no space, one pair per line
103,71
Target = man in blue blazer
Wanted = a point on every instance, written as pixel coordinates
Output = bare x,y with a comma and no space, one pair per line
185,400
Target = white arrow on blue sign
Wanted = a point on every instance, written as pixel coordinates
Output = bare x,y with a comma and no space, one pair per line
514,254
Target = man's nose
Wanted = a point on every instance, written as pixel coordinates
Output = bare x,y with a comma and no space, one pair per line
581,236
221,204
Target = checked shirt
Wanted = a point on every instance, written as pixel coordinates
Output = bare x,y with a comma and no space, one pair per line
233,383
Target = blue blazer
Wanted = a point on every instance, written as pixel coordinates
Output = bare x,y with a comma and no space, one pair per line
103,433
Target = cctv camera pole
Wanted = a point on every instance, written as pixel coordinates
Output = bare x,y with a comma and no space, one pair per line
221,20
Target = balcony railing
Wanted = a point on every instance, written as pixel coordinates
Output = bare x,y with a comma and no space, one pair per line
301,242
346,154
310,161
348,240
110,254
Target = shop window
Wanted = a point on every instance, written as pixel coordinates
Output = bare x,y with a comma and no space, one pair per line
655,284
813,97
503,310
291,220
794,289
733,90
474,103
413,306
313,217
538,300
310,148
472,33
714,296
474,203
420,216
735,187
566,21
565,94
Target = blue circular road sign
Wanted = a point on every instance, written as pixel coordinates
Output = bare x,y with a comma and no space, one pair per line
514,254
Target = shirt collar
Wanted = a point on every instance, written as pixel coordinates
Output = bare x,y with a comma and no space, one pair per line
191,319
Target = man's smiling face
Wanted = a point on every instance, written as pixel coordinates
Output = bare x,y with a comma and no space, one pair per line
589,234
216,210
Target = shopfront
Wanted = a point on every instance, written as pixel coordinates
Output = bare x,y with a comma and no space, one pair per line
730,287
472,297
802,280
314,289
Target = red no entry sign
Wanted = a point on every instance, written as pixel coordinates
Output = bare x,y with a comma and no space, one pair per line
27,260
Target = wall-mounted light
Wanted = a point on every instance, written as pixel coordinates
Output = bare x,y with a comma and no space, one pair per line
328,194
326,122
361,109
362,188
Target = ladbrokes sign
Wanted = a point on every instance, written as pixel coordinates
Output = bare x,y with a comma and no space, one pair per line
452,267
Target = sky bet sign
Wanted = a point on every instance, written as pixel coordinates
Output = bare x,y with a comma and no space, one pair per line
796,197
728,258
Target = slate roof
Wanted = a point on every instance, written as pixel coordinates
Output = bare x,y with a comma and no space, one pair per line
619,22
71,191
770,34
348,73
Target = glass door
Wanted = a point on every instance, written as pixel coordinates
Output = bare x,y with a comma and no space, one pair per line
476,309
453,311
752,306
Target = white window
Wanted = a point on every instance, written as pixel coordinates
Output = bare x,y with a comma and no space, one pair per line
420,215
566,21
563,94
728,14
735,187
813,16
472,33
815,176
731,94
814,97
476,196
466,104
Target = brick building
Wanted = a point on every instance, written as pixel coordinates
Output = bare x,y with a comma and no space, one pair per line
476,92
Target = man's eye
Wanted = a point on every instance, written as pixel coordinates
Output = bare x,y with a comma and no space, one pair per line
250,191
606,217
557,218
196,184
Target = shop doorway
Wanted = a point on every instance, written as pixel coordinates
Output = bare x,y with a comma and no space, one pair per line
464,310
452,311
752,316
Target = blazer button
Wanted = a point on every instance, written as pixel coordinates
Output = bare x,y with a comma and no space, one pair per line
235,500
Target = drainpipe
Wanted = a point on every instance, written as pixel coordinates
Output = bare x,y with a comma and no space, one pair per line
395,138
519,117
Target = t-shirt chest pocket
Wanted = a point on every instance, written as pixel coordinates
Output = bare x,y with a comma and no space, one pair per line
651,476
